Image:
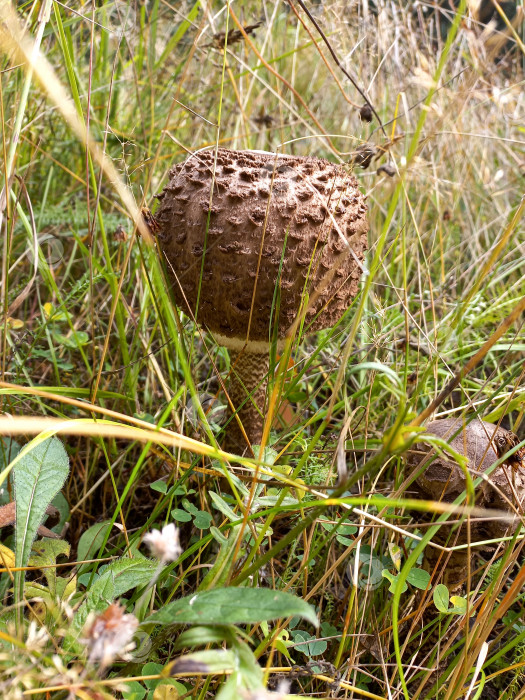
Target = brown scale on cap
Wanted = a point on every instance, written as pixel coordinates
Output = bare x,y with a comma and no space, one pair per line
278,226
483,444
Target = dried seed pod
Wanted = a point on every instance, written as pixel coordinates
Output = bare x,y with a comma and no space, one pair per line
366,113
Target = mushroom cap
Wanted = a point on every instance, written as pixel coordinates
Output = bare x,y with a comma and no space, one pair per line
276,227
443,480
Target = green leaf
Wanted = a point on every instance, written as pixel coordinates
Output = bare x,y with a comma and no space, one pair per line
9,449
202,635
180,515
44,554
39,474
229,690
307,644
209,661
441,597
251,674
223,507
91,541
61,504
233,606
189,507
118,578
418,578
150,669
73,341
202,520
160,485
459,605
134,691
46,551
345,541
393,581
169,690
218,574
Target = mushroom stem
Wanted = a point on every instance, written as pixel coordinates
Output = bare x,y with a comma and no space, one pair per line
247,392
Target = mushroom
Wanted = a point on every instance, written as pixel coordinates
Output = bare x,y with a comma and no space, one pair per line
275,232
443,480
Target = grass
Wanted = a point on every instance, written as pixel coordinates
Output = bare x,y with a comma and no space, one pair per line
94,351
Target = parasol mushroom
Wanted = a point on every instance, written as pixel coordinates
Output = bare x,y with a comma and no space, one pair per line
443,480
276,237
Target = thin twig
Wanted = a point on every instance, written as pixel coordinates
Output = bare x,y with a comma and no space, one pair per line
338,62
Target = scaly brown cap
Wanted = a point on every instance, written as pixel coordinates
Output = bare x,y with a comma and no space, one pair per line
444,480
278,227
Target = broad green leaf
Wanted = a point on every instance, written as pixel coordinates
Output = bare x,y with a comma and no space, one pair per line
229,690
201,635
418,578
180,515
91,541
251,674
39,474
44,554
202,520
209,661
223,606
441,597
160,485
118,578
150,669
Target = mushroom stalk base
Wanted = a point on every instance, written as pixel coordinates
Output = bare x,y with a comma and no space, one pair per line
247,392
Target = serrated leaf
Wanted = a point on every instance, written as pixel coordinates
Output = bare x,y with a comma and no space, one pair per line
44,554
38,475
223,606
119,577
441,597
